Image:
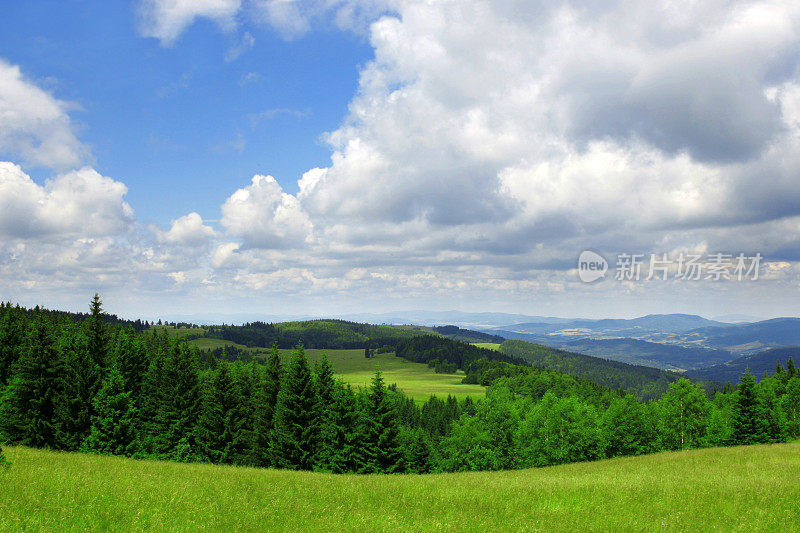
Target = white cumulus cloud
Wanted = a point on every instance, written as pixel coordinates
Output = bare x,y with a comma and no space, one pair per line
264,216
167,19
35,126
77,203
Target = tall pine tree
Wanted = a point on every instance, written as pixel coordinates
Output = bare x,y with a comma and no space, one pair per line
747,424
97,333
294,437
30,413
264,403
179,405
12,339
221,417
82,383
382,430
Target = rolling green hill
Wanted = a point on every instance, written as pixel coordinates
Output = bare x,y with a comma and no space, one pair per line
726,489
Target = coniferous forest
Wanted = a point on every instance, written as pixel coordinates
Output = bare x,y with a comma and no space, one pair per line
98,384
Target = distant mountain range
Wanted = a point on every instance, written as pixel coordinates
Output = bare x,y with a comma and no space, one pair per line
672,342
674,323
419,318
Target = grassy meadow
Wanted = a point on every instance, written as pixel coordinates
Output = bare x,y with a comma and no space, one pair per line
488,345
416,380
719,489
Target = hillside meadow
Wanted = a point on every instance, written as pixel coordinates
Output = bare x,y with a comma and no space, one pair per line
416,380
718,489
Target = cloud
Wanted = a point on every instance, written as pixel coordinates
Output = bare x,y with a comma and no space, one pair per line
489,143
266,217
167,19
294,18
188,230
250,77
34,126
269,114
79,203
562,121
247,42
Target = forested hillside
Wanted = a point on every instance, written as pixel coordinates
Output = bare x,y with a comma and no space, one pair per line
325,334
644,382
759,364
100,387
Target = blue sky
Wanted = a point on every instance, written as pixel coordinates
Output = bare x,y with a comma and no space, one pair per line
322,157
182,120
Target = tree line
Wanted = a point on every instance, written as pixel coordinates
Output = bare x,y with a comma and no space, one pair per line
95,386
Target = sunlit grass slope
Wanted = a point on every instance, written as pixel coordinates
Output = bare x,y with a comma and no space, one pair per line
416,380
487,345
723,489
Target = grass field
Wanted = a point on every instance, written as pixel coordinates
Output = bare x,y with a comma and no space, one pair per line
488,345
415,379
720,489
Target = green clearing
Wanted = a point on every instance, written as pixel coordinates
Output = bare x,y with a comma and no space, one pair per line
488,345
724,489
416,380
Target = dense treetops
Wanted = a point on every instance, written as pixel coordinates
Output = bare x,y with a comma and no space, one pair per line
98,386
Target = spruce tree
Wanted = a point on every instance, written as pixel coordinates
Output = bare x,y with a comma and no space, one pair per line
296,417
29,415
248,381
152,397
383,429
220,422
790,404
342,445
97,333
266,398
747,424
772,417
328,432
178,409
12,339
82,383
323,374
791,369
113,425
132,360
416,450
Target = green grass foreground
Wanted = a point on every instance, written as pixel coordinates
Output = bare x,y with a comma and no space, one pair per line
725,489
